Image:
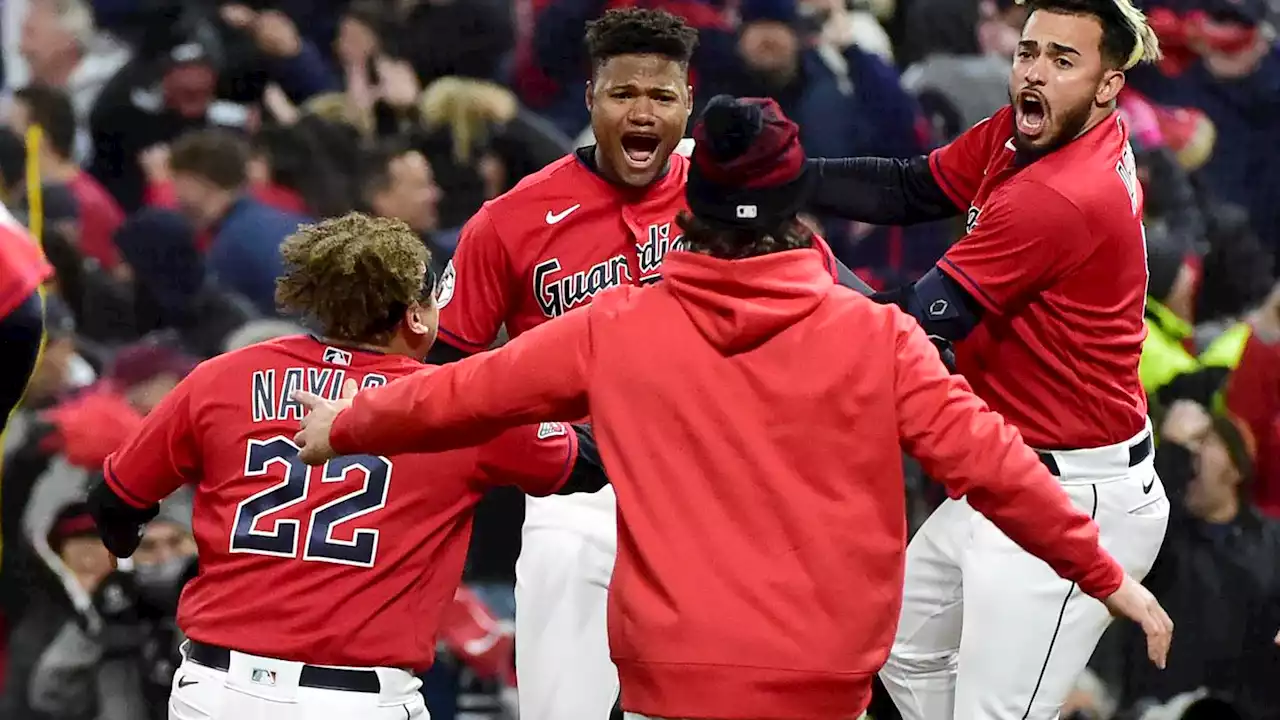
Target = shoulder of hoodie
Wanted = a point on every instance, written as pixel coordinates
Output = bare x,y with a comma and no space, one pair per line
857,317
856,313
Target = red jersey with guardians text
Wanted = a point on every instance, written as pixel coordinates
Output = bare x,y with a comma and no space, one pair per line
1056,254
348,564
554,242
22,264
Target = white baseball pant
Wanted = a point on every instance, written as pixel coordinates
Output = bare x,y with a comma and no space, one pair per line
990,632
638,716
261,688
563,670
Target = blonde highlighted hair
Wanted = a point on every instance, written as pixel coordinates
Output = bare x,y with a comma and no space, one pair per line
1127,39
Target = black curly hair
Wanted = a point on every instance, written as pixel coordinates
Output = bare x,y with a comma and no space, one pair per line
639,31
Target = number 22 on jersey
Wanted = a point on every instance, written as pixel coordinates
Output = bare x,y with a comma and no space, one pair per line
318,541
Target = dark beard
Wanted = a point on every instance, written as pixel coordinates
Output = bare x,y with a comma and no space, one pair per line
769,83
1073,123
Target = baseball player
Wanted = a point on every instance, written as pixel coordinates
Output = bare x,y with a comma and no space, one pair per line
598,218
23,270
755,456
1044,299
320,590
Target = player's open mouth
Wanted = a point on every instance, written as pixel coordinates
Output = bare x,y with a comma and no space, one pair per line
1031,113
640,149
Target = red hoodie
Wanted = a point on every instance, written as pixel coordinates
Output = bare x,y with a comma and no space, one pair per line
751,415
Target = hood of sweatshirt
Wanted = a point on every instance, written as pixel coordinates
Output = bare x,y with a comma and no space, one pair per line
739,304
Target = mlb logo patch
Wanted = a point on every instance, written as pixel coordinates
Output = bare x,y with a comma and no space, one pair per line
334,356
550,430
263,677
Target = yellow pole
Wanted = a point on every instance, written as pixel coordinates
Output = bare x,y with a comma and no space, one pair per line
35,194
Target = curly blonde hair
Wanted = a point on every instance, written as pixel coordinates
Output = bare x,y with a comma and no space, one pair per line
354,275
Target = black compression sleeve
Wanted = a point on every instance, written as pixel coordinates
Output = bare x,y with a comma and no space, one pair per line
880,191
588,469
119,523
442,353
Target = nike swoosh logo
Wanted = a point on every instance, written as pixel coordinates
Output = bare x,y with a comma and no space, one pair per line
1147,487
183,682
553,218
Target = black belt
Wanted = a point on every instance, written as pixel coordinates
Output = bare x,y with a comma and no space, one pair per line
313,676
1138,452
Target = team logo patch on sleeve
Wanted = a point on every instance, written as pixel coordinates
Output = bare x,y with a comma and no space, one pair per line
550,430
444,291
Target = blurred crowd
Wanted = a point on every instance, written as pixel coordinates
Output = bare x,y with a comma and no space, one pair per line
180,141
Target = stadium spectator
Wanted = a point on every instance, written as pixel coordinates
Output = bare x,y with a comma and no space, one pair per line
98,213
61,48
210,177
398,183
1216,573
172,288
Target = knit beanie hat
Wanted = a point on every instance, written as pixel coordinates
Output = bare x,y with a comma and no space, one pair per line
748,168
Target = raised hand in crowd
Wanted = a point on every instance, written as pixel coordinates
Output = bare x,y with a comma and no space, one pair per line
276,34
279,106
398,84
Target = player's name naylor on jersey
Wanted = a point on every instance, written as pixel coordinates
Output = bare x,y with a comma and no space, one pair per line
272,390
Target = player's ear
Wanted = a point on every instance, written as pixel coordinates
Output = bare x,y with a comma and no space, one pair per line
1110,87
417,318
590,94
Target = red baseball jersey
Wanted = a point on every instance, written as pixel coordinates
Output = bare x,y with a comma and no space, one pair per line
555,241
1055,252
551,244
22,264
347,564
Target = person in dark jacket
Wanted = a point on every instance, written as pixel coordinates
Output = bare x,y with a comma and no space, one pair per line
172,287
1217,573
210,178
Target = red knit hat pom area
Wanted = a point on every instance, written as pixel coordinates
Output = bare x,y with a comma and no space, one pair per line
748,143
749,169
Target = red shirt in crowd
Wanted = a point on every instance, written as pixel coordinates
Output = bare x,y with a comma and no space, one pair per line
379,539
752,416
23,267
1056,254
1253,395
100,217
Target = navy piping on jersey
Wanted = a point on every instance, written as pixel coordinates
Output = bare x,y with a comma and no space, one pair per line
952,192
114,481
990,300
1093,514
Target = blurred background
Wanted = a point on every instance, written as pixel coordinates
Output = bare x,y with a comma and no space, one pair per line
184,139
